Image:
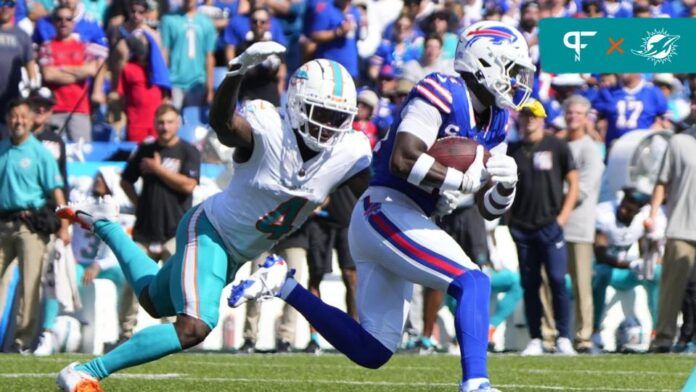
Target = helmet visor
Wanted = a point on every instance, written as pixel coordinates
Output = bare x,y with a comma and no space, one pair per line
521,82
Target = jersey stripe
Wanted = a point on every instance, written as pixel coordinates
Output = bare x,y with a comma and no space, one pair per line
338,79
189,276
438,87
430,96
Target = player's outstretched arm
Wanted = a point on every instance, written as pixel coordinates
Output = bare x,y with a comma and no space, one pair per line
232,129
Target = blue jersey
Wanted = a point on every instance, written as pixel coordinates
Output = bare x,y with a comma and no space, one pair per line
450,97
628,110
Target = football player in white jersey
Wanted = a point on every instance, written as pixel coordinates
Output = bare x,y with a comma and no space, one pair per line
619,227
392,239
284,169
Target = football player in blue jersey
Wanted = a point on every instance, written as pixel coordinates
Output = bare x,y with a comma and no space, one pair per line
392,239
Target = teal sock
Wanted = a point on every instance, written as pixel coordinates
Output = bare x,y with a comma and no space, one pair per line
314,337
51,310
147,345
138,268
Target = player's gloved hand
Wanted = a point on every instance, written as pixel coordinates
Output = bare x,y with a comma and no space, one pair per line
253,56
448,202
503,170
476,175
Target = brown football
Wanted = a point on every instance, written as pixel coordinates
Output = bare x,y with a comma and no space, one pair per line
456,151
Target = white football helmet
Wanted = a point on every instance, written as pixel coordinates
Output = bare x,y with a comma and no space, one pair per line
498,57
321,103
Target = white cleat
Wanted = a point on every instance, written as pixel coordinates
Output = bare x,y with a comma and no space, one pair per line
88,211
71,380
265,283
485,387
534,348
565,347
47,344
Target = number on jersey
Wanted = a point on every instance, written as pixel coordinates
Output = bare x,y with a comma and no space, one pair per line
279,222
628,113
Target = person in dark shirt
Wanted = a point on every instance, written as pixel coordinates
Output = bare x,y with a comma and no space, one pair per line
170,168
537,217
42,101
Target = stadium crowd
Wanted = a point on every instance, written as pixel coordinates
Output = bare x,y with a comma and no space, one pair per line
126,72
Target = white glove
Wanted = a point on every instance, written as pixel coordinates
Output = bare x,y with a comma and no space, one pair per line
254,55
476,175
448,202
503,170
637,267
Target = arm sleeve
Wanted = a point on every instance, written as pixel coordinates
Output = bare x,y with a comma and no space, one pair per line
131,172
422,120
50,175
28,51
165,34
191,167
566,158
210,36
665,167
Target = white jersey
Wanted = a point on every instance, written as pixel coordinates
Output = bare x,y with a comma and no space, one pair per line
274,192
621,237
88,248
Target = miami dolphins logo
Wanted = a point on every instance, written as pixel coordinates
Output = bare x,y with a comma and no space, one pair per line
659,47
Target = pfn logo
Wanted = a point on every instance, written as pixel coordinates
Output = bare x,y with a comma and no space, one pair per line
573,40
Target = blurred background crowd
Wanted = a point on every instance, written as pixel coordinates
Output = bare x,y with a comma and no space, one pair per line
118,92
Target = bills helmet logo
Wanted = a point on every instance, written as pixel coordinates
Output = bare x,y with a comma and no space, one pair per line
496,34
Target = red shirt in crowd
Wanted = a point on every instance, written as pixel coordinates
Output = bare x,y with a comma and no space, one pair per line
70,52
368,128
141,101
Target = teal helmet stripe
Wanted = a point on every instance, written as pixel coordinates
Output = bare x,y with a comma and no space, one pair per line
338,78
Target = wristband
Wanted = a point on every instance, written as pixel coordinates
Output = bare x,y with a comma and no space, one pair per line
420,169
453,180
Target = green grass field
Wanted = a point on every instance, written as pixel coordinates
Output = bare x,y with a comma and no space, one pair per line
330,372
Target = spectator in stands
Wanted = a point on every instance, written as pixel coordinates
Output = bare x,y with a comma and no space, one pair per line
66,65
562,86
439,25
386,90
42,102
417,11
16,50
677,107
579,231
86,27
30,182
335,31
592,9
367,102
139,90
634,104
328,230
431,61
294,250
537,218
403,88
239,31
401,47
267,80
170,168
676,180
188,42
620,226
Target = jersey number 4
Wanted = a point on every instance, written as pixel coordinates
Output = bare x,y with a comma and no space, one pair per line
279,222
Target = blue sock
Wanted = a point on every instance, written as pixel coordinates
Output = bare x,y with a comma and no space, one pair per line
472,291
147,345
339,329
137,267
